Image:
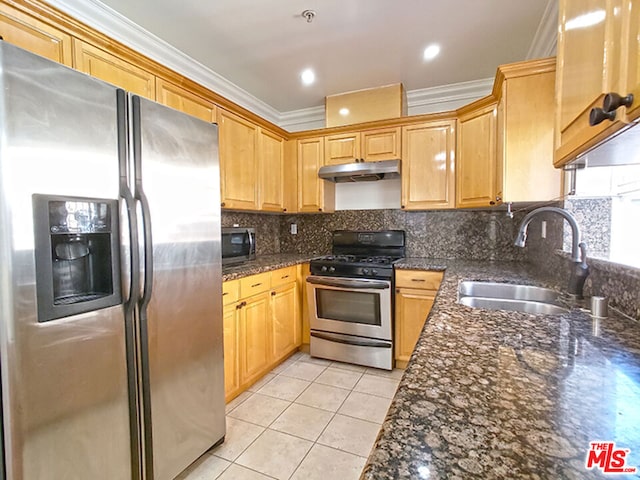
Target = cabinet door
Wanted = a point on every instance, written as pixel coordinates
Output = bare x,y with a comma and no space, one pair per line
238,164
177,97
589,56
285,321
428,174
231,373
343,148
476,166
381,144
107,67
35,36
271,153
412,308
631,58
312,191
254,338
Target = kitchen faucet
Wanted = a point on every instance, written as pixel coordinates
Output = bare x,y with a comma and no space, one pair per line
580,270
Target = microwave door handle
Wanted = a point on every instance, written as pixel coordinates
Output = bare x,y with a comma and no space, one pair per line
348,283
251,246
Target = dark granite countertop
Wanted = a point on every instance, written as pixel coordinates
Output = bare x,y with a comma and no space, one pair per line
507,395
263,263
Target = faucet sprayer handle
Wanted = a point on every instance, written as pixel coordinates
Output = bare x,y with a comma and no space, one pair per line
583,254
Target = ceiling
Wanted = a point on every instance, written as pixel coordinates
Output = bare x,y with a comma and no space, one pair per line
263,46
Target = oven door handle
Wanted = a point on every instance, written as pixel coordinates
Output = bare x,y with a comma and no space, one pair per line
360,342
348,283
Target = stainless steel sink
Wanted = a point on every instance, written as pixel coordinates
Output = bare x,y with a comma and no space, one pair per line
506,296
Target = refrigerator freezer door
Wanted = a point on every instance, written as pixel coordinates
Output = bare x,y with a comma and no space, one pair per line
177,182
64,382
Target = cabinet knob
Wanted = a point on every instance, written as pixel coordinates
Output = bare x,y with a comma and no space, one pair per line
397,290
612,101
222,204
284,209
401,206
319,209
498,198
598,115
273,294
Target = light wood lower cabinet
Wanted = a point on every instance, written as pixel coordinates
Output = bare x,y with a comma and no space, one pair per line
415,293
254,337
285,321
262,326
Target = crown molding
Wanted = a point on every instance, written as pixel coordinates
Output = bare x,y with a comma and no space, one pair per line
304,119
442,98
545,41
111,23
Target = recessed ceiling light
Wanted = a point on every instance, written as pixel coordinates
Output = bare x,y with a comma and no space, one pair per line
308,77
344,112
431,51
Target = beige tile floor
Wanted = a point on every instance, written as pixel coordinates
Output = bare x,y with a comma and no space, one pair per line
307,419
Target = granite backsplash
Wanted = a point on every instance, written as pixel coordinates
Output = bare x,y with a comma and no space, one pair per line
460,234
463,234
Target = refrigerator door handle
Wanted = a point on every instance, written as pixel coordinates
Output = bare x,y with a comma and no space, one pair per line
134,286
144,203
136,134
130,204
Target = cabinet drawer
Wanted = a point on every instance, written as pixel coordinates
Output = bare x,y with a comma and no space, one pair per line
255,284
282,276
420,279
230,292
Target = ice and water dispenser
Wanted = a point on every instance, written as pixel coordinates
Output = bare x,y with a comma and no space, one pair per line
77,253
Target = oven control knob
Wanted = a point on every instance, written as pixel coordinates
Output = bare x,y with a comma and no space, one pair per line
324,268
374,272
332,269
365,271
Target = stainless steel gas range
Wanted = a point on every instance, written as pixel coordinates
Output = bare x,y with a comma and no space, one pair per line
350,298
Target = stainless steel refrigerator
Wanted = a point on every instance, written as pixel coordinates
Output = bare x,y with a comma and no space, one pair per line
110,277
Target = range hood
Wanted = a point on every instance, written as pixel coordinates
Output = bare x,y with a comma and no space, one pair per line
361,171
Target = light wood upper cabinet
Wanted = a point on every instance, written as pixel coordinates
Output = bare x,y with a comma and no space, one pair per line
180,99
591,63
476,165
272,171
314,194
382,144
428,173
525,133
114,70
631,55
368,145
238,140
35,36
341,148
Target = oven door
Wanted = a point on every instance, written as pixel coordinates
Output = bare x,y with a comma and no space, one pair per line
351,306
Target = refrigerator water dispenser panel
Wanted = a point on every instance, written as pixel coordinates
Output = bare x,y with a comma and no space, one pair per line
77,255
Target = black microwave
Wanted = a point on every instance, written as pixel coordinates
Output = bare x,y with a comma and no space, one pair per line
238,245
